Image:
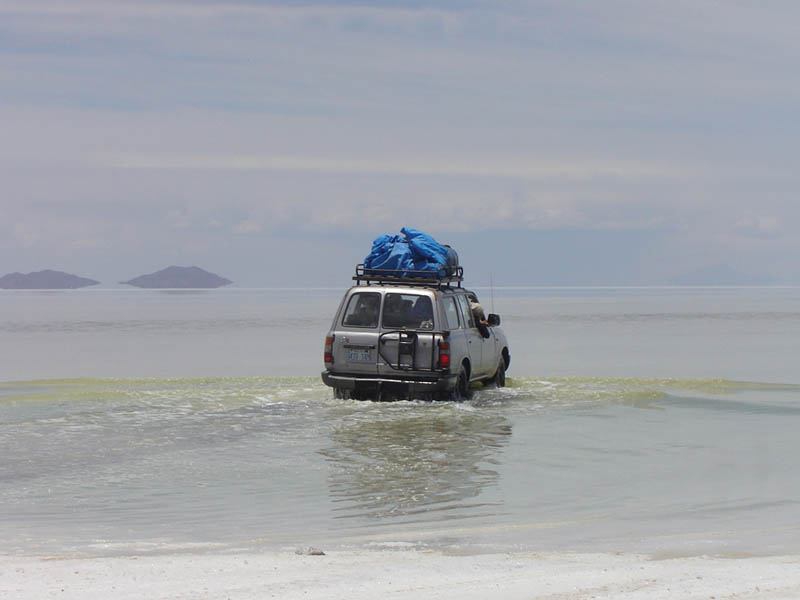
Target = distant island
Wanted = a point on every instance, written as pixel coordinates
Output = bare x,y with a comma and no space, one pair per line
44,280
178,277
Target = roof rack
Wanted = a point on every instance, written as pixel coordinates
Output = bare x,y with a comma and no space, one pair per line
444,278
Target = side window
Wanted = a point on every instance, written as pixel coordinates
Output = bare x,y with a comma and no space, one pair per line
451,312
465,311
362,310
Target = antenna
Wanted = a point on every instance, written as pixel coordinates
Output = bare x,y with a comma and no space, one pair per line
491,289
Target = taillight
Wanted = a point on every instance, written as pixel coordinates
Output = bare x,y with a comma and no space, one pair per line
329,350
444,355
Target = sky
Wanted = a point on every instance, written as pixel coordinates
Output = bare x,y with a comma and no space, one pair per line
557,142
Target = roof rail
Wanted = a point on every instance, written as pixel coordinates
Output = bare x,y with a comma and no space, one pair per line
443,278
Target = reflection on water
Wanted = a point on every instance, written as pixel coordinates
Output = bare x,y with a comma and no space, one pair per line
416,464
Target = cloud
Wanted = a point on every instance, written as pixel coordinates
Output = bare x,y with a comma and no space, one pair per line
249,226
24,235
279,13
178,219
761,226
513,166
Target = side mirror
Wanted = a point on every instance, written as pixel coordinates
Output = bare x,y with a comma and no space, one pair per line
493,320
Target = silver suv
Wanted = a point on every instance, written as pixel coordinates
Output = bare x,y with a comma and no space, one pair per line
411,337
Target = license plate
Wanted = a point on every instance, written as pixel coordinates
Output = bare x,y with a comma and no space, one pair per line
357,355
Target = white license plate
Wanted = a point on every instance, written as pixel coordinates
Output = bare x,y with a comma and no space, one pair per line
359,356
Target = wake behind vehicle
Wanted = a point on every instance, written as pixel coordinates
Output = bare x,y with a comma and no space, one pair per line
411,334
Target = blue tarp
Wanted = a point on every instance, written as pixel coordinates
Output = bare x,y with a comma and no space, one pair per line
412,251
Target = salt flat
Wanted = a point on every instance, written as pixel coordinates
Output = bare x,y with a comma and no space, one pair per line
399,574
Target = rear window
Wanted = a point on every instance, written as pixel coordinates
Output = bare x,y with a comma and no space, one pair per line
407,311
362,310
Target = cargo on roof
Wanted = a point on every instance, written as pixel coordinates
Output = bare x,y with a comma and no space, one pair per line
412,254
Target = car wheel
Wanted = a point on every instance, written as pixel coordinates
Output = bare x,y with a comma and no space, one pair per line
500,375
461,391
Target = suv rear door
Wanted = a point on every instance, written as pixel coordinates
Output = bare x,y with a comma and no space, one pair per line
407,341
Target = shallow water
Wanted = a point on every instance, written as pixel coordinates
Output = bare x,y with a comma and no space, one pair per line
663,461
579,464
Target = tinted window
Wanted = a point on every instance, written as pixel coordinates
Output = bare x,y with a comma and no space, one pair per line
407,311
451,312
362,310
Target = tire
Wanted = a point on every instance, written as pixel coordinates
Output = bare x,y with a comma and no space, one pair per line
500,375
461,391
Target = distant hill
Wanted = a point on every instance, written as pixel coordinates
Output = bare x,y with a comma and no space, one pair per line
179,277
44,280
721,275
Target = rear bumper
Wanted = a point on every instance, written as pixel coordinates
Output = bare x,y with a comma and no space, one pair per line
400,385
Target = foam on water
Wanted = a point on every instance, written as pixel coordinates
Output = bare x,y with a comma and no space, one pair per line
555,392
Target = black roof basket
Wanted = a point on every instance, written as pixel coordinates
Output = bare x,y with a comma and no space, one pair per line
444,278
